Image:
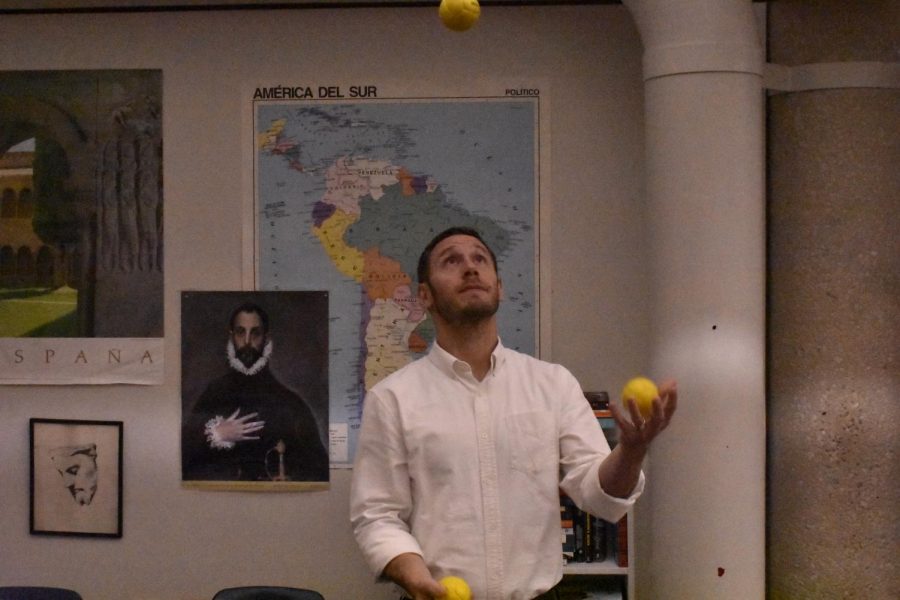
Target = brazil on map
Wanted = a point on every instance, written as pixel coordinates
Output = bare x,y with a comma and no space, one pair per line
348,193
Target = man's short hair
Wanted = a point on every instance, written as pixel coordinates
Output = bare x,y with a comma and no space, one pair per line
250,307
423,270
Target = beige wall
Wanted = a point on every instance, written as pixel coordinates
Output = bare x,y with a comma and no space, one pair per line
183,545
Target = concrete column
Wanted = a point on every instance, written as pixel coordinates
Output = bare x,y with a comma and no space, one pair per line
834,314
704,118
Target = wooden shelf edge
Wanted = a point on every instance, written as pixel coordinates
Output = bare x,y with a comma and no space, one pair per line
606,567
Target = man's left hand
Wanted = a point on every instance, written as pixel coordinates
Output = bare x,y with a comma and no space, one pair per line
638,431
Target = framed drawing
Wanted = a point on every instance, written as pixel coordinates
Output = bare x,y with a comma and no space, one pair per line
76,477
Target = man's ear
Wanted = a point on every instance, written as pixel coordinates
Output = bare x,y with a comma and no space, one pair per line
425,296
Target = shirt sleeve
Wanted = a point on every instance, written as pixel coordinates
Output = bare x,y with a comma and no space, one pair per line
380,495
583,447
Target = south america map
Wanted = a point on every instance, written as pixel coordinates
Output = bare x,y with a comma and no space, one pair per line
347,193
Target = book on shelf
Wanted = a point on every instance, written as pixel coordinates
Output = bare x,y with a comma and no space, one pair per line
579,537
599,546
567,514
580,587
622,542
587,536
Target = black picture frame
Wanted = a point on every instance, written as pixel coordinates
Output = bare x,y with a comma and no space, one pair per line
76,477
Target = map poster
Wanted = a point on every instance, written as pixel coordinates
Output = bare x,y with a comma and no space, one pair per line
349,183
81,227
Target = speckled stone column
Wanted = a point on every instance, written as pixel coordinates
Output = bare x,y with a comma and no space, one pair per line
833,505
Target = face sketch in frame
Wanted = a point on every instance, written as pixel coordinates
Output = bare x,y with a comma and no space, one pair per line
77,466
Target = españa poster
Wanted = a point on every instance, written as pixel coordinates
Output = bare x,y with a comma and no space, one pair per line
81,227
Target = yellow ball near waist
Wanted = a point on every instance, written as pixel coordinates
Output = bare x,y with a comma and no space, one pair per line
643,391
459,15
457,588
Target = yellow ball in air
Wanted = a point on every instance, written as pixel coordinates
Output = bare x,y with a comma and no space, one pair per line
457,588
459,15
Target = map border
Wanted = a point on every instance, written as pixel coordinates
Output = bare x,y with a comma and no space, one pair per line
388,92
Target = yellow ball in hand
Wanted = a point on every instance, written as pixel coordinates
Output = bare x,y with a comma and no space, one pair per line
457,588
642,391
459,15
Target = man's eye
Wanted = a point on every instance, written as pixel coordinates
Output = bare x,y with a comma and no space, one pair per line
73,470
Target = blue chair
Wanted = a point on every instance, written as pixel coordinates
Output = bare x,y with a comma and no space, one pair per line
265,592
37,593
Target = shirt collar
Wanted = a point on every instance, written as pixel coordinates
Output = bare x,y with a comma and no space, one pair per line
453,366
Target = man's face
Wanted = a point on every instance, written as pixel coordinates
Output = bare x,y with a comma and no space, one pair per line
79,473
248,337
463,287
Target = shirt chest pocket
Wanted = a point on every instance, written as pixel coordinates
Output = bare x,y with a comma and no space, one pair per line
533,443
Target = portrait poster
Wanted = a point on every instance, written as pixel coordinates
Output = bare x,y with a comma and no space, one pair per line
255,390
76,477
81,227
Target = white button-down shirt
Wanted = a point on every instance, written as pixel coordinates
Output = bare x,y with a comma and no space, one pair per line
467,473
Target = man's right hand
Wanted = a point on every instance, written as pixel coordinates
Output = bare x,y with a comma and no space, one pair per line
409,571
239,429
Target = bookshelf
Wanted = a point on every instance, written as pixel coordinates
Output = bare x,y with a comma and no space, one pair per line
609,568
617,563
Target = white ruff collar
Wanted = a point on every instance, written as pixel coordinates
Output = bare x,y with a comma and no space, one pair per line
256,367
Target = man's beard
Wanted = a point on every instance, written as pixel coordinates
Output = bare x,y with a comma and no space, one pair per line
248,355
467,315
248,360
